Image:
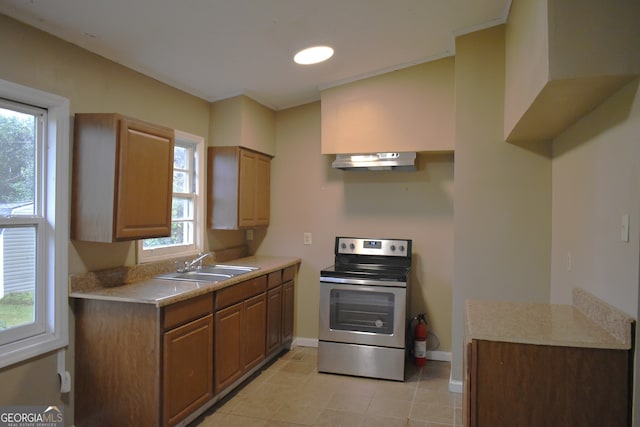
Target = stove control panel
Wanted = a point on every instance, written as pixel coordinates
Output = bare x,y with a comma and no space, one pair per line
383,247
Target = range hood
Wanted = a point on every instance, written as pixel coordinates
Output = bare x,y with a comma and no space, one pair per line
405,161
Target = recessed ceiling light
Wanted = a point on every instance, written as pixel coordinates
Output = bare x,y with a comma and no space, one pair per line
313,55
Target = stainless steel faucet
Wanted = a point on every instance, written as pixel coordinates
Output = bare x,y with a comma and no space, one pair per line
191,265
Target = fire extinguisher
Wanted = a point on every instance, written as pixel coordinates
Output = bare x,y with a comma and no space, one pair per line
420,340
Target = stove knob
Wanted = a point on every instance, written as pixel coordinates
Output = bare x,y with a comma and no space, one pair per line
393,248
401,248
343,246
352,246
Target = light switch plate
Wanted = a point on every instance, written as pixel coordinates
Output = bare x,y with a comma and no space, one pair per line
307,238
624,228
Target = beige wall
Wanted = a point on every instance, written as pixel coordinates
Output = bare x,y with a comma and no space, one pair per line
92,84
243,121
502,193
596,180
411,109
308,196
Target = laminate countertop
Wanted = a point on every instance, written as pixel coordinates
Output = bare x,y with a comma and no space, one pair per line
588,322
161,292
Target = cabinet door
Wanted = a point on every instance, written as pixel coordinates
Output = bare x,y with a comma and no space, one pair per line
187,369
263,185
255,315
288,301
247,189
228,345
144,181
274,318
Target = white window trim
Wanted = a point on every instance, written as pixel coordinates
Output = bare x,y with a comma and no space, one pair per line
56,242
200,225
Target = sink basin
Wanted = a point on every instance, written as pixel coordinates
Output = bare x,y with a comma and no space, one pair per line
209,273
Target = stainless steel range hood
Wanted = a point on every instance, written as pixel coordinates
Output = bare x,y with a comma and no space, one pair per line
405,161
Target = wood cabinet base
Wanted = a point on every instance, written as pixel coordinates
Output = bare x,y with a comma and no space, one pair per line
540,385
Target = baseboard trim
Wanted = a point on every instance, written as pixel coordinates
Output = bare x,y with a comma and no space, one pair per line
455,386
305,342
442,356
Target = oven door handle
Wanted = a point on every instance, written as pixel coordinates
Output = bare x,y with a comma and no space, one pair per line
364,282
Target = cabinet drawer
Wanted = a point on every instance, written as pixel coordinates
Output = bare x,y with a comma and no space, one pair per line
288,273
241,291
274,279
185,311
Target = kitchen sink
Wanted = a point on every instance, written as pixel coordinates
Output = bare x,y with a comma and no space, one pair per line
209,273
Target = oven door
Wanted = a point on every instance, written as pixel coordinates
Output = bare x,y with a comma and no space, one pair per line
361,314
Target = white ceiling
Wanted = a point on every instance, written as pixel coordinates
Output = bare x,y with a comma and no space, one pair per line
216,49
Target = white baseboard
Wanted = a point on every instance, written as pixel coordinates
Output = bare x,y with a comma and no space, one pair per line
455,386
442,356
305,342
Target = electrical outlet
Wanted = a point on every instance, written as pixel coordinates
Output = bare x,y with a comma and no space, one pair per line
307,238
249,234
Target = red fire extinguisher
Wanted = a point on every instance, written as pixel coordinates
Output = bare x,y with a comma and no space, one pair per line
420,341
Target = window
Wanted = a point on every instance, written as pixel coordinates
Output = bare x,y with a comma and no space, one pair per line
34,231
187,213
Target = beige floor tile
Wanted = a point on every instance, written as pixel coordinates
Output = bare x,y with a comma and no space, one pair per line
433,412
348,401
381,421
335,418
291,393
392,408
256,408
297,414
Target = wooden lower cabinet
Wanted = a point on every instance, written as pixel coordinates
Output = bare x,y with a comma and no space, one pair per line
280,304
288,301
142,365
254,333
515,384
187,369
228,343
240,330
137,364
274,318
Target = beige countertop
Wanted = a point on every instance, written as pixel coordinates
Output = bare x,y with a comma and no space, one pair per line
589,323
162,292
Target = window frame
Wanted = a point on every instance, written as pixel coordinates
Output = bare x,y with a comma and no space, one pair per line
52,248
169,252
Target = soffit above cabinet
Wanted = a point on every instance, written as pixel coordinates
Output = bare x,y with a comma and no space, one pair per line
241,121
406,110
562,59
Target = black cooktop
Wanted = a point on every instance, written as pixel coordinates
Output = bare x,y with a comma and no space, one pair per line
368,271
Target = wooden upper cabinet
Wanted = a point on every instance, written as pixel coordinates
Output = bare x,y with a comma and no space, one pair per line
239,188
122,178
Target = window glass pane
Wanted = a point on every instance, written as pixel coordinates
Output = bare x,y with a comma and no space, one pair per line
17,162
180,157
182,208
181,234
17,276
180,182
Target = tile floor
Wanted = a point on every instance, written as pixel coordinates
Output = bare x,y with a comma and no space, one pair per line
291,392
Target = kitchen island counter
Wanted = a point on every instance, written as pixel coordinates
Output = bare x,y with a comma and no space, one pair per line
587,323
548,364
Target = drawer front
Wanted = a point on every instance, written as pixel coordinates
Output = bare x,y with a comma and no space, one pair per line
288,273
187,310
240,292
274,279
